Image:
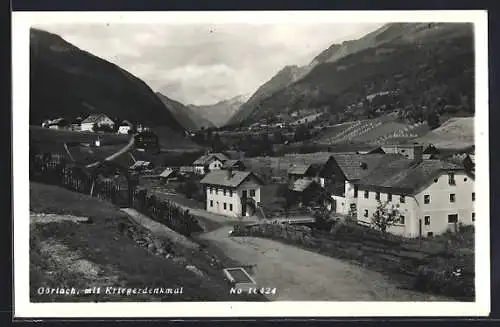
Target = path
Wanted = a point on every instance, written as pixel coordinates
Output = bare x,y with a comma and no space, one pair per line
299,274
302,275
115,155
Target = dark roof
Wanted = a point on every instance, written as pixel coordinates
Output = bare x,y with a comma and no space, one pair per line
223,178
356,166
301,184
205,159
311,158
126,123
407,175
94,118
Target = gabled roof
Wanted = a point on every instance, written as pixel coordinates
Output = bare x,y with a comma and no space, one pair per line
94,118
356,166
207,158
301,184
407,175
223,178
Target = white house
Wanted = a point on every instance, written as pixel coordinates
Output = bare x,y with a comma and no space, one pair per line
125,127
432,196
99,119
232,193
209,162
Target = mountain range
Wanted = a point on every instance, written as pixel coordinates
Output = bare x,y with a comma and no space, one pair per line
69,82
188,118
418,61
220,112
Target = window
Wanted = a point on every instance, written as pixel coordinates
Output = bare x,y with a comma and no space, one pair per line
230,207
402,220
230,193
252,193
452,219
427,220
473,196
427,198
402,199
211,190
366,213
430,234
225,206
451,178
224,192
435,180
452,197
377,196
211,203
389,197
355,191
473,217
366,194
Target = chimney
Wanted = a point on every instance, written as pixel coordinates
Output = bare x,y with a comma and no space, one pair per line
229,171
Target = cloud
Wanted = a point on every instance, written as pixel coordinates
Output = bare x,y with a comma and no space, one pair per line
206,63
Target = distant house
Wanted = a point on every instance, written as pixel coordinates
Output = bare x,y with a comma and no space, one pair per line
168,174
307,119
76,124
307,192
58,123
432,196
209,162
141,166
125,127
232,193
96,120
313,166
410,151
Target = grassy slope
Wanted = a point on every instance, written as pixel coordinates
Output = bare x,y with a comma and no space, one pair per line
455,133
121,261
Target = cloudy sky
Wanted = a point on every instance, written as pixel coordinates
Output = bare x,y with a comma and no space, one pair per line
203,64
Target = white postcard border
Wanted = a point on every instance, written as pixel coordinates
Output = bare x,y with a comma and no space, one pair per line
21,22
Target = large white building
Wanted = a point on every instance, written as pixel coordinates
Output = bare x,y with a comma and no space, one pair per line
432,196
232,193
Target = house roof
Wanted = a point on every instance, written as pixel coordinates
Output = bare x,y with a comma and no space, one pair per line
126,123
301,184
94,118
406,175
223,178
167,172
356,166
207,158
299,169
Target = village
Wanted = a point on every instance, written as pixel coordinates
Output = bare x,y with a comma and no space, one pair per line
419,194
307,192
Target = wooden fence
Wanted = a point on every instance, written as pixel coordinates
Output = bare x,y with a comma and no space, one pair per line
121,190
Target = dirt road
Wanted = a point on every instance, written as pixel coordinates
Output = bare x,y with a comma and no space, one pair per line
300,275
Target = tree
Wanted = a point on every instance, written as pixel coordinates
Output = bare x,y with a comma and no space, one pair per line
386,215
433,120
